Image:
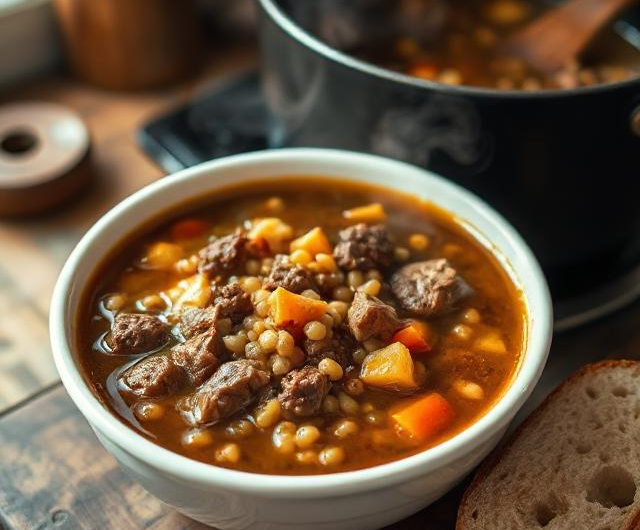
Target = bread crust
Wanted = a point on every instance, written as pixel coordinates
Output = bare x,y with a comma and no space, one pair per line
635,522
492,460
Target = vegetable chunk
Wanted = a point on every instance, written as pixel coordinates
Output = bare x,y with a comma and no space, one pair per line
314,242
390,367
293,310
188,228
162,255
196,292
419,337
371,213
424,417
273,230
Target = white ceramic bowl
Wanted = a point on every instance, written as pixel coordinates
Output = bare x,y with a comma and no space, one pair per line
364,499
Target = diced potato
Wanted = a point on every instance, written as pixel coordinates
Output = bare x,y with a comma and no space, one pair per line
389,367
163,256
293,310
370,213
275,231
174,293
314,242
490,342
195,292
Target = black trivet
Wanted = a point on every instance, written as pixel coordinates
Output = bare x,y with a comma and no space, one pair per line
224,120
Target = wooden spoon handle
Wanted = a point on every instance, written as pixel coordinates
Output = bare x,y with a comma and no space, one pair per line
559,36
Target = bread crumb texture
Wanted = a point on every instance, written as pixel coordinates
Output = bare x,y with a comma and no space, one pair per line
574,465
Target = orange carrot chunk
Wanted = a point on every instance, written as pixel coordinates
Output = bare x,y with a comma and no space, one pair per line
188,228
424,70
290,310
418,337
314,242
424,417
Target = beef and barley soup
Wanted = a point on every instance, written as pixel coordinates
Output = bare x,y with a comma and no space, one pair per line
457,42
301,326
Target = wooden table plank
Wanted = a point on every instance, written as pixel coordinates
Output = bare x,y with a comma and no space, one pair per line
55,475
33,251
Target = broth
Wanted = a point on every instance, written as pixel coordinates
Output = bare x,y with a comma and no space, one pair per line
473,345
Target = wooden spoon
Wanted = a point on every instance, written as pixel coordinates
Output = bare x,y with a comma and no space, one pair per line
552,41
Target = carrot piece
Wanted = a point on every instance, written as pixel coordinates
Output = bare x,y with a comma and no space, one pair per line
366,214
188,228
424,70
419,337
293,310
314,242
424,417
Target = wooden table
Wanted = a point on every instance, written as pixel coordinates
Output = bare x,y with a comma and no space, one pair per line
53,472
32,252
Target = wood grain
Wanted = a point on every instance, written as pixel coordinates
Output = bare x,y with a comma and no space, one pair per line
56,476
126,45
32,251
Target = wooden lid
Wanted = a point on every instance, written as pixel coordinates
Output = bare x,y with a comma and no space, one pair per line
44,157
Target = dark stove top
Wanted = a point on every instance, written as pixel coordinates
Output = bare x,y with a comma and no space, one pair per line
232,118
224,120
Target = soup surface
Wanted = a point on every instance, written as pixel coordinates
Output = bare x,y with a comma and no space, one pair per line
455,42
301,326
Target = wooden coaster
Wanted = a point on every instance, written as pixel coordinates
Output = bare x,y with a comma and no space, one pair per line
44,157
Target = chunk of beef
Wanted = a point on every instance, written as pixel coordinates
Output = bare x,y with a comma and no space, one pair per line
197,320
429,287
134,333
364,247
303,391
153,376
235,385
265,395
223,254
370,317
199,356
339,347
234,302
290,276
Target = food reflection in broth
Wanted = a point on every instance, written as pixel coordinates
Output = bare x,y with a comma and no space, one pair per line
300,327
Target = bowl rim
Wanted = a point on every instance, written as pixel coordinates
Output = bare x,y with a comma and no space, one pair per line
536,349
302,36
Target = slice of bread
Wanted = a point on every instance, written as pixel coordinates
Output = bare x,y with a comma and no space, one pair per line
573,465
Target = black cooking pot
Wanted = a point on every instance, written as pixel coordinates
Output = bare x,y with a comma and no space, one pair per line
562,165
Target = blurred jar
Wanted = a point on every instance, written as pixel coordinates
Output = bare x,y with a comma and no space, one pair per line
131,44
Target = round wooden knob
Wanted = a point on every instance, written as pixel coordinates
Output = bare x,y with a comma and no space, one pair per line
44,157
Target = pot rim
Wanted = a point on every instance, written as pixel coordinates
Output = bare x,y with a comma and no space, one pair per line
294,30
